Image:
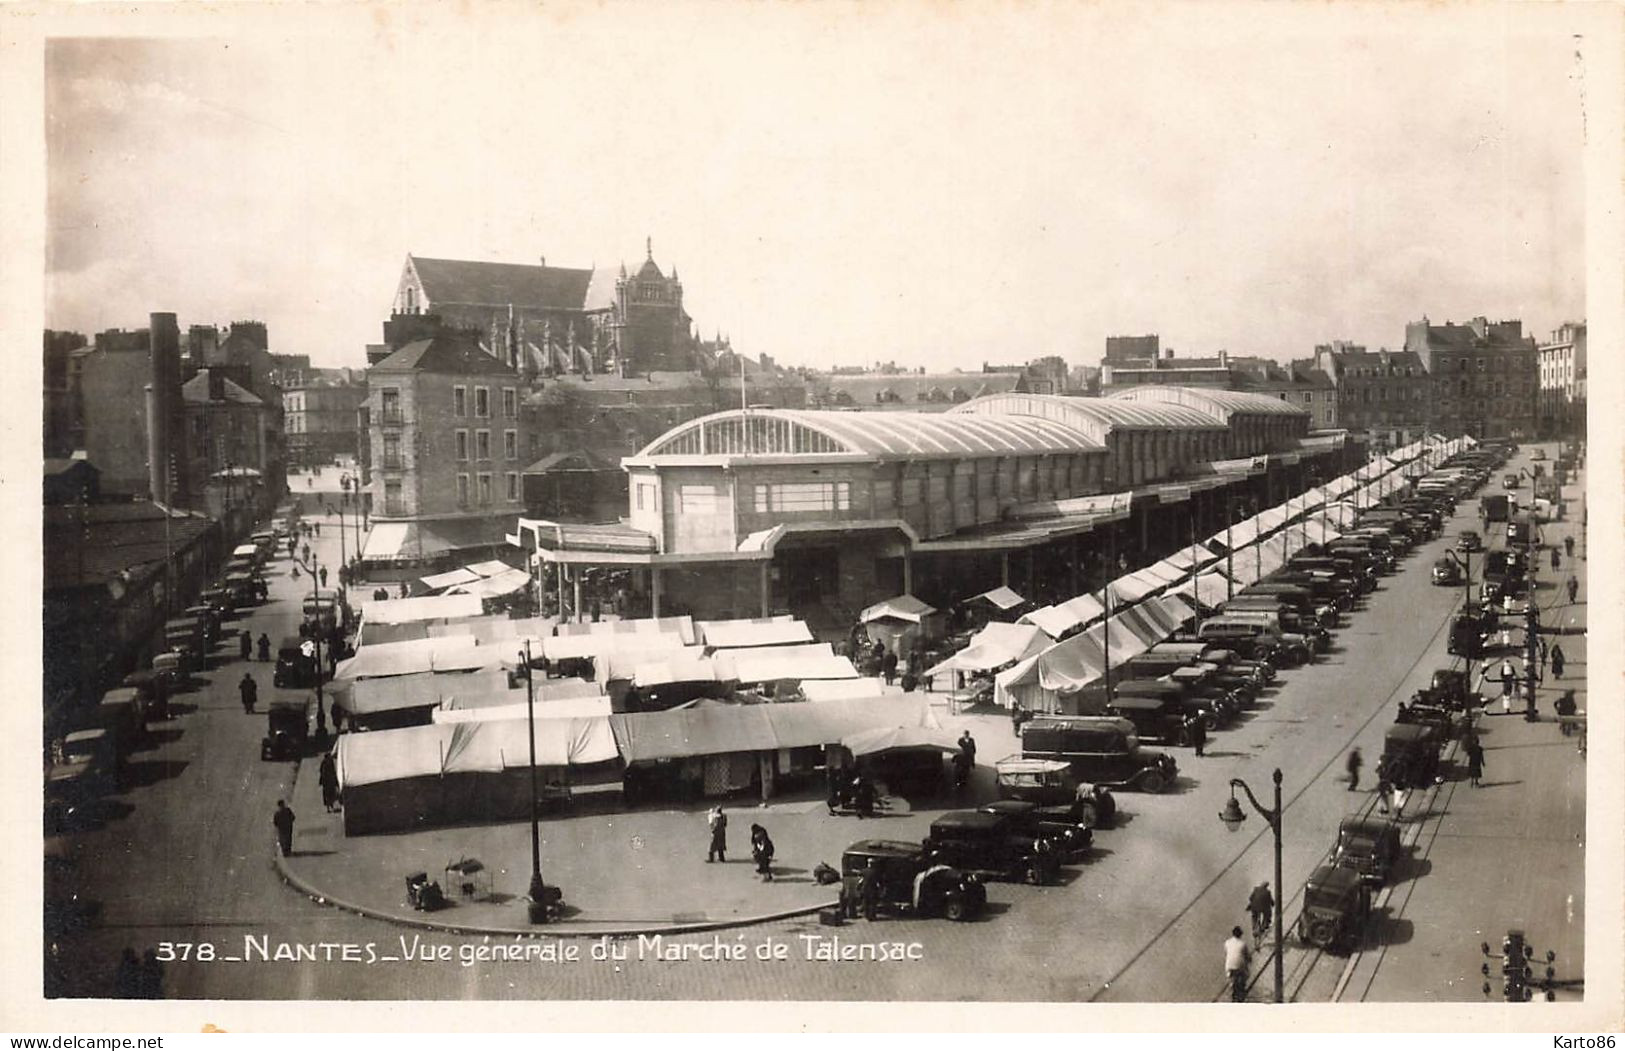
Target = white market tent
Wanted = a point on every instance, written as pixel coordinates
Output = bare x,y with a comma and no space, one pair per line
995,646
681,626
820,690
579,708
426,607
1061,618
1000,597
460,653
770,631
900,607
775,663
1211,589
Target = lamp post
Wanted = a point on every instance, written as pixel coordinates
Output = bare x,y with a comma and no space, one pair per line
538,889
1229,547
1232,815
310,568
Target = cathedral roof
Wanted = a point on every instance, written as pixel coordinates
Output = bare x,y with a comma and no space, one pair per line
457,281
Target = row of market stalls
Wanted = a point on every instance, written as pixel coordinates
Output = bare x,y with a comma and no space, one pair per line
1062,648
668,705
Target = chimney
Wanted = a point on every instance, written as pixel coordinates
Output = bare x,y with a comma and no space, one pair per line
217,384
543,259
166,419
1224,359
1167,354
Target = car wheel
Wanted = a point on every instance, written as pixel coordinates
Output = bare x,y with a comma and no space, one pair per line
1088,815
955,909
1322,932
1153,782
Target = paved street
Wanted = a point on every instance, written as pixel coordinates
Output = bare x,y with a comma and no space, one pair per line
1142,920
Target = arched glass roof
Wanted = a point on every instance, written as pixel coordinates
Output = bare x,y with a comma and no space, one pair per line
1096,417
1220,403
802,432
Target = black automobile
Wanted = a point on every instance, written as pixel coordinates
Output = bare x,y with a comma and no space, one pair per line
1447,572
995,844
1101,750
1450,688
287,728
908,882
1410,754
296,664
1369,846
1336,904
1058,824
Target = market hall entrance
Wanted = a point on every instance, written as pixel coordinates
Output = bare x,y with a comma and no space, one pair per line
810,575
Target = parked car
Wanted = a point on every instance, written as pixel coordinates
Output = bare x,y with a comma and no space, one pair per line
296,664
1410,755
1336,905
1369,846
1066,835
909,882
287,728
1051,784
1469,541
1103,751
1447,572
973,841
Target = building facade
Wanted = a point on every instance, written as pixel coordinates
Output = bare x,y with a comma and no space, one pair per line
1485,377
1563,381
229,444
447,448
320,416
1384,395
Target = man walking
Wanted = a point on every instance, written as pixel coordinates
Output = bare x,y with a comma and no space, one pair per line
1475,762
321,574
1574,589
1568,546
1236,955
283,820
265,646
250,691
1261,906
1353,767
245,639
1197,731
1557,660
717,821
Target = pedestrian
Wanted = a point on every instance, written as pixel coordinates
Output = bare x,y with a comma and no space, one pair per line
1385,793
405,591
283,820
127,979
245,641
1509,677
321,574
1557,560
327,776
863,796
318,529
151,983
1402,795
967,744
1260,905
888,666
1236,955
1475,763
962,764
380,595
1568,546
304,549
1196,730
250,691
870,890
761,848
1540,647
717,821
1353,767
1574,589
1557,660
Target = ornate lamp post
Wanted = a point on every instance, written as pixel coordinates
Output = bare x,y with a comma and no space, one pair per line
540,895
1232,815
310,568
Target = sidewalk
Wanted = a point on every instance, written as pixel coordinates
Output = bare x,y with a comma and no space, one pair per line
622,872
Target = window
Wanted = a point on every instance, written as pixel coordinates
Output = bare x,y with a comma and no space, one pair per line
459,401
391,405
485,489
646,496
791,497
482,402
510,444
462,445
482,445
696,499
510,402
462,490
513,486
392,499
392,452
1483,364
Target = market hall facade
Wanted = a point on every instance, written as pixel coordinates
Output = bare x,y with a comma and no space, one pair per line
819,513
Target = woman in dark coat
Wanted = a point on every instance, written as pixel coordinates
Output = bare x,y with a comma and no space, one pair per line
1475,763
761,848
1557,661
328,778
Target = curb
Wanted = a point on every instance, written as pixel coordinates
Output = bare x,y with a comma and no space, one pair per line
563,929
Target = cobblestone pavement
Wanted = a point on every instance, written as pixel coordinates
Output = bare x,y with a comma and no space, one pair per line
1140,920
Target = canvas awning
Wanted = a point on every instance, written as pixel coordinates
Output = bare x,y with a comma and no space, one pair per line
1211,589
385,542
1132,587
773,663
1061,618
995,646
419,655
723,728
884,739
499,694
771,631
900,607
688,666
1194,555
578,647
439,748
578,708
1001,597
439,581
363,697
680,626
424,607
507,582
847,689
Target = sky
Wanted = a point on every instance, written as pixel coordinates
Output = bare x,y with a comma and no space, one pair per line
939,185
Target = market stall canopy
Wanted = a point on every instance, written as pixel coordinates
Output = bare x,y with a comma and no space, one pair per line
769,631
419,655
883,739
900,607
1061,618
471,747
689,665
1210,589
723,728
548,691
682,626
427,607
505,583
1195,555
440,581
1254,563
995,646
495,628
775,663
362,697
820,690
577,647
1001,597
579,708
1132,587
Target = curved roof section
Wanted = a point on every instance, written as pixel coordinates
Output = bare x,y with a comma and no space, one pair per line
1220,403
803,432
1096,417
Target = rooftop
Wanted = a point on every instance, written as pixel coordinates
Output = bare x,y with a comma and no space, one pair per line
1095,417
1217,403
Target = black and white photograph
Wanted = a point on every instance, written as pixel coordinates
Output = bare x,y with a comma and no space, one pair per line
969,507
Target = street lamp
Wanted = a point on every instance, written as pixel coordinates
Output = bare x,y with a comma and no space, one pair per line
1232,815
310,567
1230,548
540,895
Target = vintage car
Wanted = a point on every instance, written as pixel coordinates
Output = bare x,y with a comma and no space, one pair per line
1450,688
296,664
1369,846
1469,541
1336,905
973,841
1410,754
1066,834
1447,572
908,882
1101,750
1051,784
287,726
1469,629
